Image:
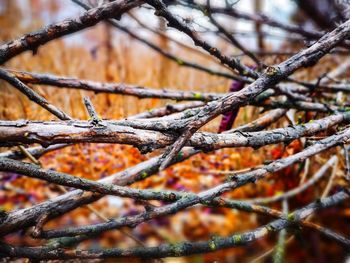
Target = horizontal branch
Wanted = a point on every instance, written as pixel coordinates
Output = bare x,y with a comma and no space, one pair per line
299,105
167,110
262,122
77,198
168,196
48,133
37,152
114,88
175,250
264,19
35,171
31,170
143,92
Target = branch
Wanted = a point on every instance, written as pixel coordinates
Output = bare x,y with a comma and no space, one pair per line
35,171
320,173
161,10
77,198
35,151
280,247
262,122
167,110
47,133
113,88
179,249
145,92
264,19
230,37
32,95
167,37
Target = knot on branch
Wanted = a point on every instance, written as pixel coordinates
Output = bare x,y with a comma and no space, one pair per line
271,71
148,148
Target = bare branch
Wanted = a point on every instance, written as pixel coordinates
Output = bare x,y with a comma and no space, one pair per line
320,173
32,95
181,249
233,40
47,133
161,10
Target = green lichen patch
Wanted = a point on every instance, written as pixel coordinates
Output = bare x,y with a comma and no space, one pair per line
212,245
291,217
198,96
180,155
180,62
144,174
237,239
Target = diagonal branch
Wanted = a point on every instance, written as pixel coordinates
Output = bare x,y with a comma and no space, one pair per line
32,95
161,10
90,18
291,193
271,77
230,37
47,133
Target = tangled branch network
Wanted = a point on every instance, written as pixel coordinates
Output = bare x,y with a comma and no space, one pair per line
174,132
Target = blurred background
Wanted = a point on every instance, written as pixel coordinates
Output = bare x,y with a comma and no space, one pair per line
105,54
